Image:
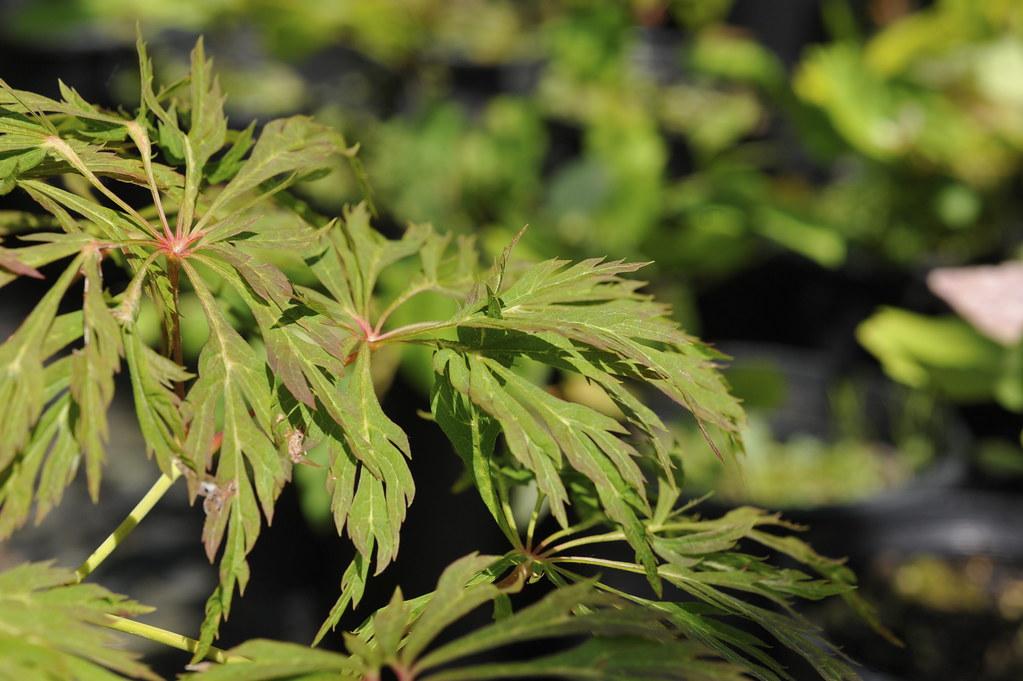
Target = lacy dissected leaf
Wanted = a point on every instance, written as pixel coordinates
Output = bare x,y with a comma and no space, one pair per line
157,407
541,430
19,221
572,611
622,641
473,433
207,125
45,467
22,378
51,630
832,570
385,488
704,559
369,480
368,477
41,137
9,260
18,262
102,222
49,461
248,418
228,165
349,262
354,257
267,230
24,102
353,585
249,472
608,659
21,147
207,128
591,305
287,150
92,373
582,318
455,597
272,660
789,629
74,154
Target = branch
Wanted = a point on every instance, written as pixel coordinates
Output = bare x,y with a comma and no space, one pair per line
140,511
167,638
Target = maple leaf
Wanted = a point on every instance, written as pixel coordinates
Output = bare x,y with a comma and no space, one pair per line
55,630
292,357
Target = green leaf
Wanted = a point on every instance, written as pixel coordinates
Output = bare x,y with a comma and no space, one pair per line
496,337
54,631
353,584
355,255
206,133
14,166
385,488
632,332
231,382
623,641
18,221
228,165
540,428
528,439
23,261
24,102
831,569
608,659
454,598
703,558
369,480
106,223
52,450
570,611
473,434
389,625
269,660
92,373
290,147
157,407
22,379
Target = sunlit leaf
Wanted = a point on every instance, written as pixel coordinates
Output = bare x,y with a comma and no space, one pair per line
54,631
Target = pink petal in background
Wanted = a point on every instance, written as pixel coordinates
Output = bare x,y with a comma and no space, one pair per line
989,297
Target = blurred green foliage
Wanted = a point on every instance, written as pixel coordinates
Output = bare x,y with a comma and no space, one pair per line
944,355
804,471
917,127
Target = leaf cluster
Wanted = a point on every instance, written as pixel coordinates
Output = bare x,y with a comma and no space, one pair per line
290,361
52,628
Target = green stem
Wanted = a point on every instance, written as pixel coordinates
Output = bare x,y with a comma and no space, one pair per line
576,577
396,303
533,518
583,541
653,528
512,531
411,330
140,511
600,562
566,532
167,638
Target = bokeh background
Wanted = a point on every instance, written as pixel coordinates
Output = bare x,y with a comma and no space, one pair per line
794,169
